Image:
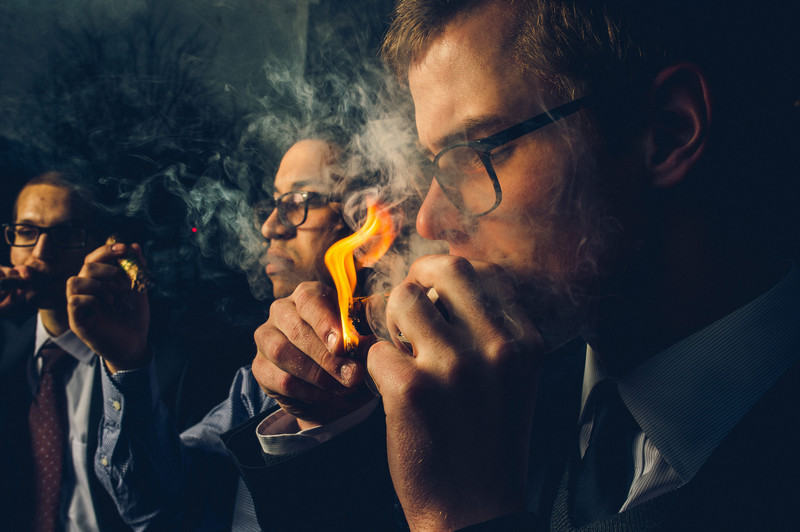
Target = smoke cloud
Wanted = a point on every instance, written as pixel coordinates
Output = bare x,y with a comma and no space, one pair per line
177,116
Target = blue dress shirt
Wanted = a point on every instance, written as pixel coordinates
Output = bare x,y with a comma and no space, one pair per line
155,475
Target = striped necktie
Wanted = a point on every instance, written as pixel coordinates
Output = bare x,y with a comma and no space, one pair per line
47,421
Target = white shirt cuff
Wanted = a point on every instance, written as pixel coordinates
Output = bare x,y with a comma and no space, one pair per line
279,433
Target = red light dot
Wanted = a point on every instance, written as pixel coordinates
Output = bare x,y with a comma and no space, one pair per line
194,229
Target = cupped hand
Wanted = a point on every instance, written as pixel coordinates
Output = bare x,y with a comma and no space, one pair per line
16,295
301,361
106,313
458,393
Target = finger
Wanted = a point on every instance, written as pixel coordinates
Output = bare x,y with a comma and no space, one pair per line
111,253
10,284
279,351
18,277
318,333
113,275
457,286
413,321
82,311
481,299
107,253
134,249
392,371
85,286
25,272
284,387
6,299
15,283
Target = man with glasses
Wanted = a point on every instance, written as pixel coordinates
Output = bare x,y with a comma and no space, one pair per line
645,215
301,220
163,480
47,477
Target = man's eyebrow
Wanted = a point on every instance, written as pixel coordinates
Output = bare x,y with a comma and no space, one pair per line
301,183
473,128
68,221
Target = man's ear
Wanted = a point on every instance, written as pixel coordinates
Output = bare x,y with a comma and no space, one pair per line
677,130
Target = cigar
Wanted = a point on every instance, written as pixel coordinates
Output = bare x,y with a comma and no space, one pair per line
140,278
8,284
359,315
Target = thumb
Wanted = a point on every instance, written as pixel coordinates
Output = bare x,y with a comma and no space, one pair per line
390,368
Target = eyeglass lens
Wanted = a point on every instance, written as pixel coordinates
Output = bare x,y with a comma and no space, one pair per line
465,180
291,209
26,235
469,172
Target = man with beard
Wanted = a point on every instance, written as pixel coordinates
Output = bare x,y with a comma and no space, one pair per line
610,169
54,227
163,480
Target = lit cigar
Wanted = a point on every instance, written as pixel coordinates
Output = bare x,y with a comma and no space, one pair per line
359,312
8,284
140,277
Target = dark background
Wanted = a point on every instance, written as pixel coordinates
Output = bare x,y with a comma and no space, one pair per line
174,114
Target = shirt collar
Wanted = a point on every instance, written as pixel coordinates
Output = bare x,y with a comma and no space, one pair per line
687,398
68,341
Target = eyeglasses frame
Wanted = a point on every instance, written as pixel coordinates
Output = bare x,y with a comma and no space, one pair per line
42,230
484,146
315,199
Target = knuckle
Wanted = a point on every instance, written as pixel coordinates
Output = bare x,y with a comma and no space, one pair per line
506,357
295,330
263,336
458,265
72,285
284,384
324,359
403,295
305,293
259,335
275,350
494,269
502,351
278,308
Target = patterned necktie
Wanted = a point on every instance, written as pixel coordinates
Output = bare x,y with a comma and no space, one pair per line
47,420
606,471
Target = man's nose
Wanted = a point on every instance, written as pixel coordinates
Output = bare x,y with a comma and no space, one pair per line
43,249
438,217
272,227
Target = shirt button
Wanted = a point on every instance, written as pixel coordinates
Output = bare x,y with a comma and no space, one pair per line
104,461
116,405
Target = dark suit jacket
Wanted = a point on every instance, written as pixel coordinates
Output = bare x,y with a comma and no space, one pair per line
16,489
343,484
749,483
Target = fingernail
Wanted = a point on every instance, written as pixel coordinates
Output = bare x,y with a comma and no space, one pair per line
330,341
346,372
118,247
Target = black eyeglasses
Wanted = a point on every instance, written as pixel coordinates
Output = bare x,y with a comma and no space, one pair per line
27,235
292,207
464,170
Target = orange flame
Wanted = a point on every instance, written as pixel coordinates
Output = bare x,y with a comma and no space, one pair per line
379,231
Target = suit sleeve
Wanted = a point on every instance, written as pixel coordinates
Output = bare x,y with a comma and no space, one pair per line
341,484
